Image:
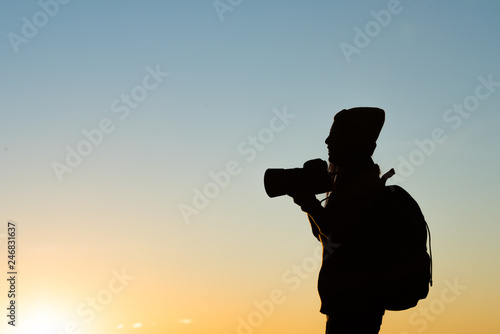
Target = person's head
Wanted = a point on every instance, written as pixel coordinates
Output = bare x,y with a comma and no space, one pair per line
354,134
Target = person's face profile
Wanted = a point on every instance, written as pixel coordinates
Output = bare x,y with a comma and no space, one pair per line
337,145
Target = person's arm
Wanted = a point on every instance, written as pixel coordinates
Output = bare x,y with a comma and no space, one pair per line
315,212
314,228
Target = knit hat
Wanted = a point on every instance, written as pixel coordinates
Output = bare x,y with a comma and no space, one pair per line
358,127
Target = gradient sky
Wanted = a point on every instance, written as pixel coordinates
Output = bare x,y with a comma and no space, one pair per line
104,248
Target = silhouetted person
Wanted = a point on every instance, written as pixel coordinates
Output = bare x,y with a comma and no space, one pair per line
350,296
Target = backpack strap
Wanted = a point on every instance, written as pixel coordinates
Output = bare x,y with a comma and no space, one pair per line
387,175
430,252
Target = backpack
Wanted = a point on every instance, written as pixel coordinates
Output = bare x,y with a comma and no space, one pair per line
405,268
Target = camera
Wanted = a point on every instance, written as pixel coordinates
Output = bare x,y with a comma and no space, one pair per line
312,178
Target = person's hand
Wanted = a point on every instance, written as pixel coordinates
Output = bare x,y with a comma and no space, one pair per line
305,200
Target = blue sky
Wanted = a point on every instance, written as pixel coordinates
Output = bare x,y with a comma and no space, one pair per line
226,81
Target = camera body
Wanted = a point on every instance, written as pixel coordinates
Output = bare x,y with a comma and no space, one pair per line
312,178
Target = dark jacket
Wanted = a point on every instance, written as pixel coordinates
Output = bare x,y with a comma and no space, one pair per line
347,228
